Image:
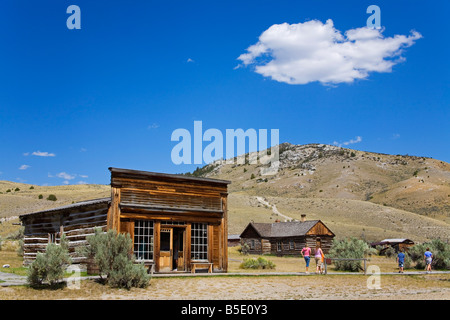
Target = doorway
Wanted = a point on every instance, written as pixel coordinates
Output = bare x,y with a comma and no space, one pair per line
172,249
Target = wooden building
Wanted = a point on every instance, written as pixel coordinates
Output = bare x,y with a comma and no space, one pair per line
176,222
286,238
397,244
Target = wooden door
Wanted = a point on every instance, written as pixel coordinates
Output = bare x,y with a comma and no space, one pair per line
166,250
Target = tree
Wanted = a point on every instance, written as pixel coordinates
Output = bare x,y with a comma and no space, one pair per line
49,267
112,253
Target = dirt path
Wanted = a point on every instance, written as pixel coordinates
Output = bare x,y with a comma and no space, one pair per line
274,208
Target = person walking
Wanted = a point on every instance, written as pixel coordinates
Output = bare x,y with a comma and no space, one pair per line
306,252
401,260
319,256
428,256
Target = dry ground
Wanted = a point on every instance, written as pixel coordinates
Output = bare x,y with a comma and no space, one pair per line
330,287
301,286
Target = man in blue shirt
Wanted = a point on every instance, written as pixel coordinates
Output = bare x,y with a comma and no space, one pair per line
401,260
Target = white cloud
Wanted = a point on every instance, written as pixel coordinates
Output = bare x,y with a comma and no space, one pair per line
189,60
26,154
82,182
395,136
346,143
313,51
42,154
66,176
83,176
24,167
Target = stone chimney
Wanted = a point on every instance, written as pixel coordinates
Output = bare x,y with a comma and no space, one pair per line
303,218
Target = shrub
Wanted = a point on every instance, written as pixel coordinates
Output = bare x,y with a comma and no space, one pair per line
52,197
40,196
16,189
252,176
49,267
349,249
9,190
440,250
31,188
112,253
352,154
260,263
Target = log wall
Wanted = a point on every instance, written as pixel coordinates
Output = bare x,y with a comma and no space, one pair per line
76,223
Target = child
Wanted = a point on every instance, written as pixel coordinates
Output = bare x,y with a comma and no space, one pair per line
401,260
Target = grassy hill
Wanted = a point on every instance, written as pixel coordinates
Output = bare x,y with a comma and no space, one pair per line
26,199
356,193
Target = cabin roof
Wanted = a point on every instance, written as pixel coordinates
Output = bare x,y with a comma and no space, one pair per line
77,205
148,174
392,241
282,229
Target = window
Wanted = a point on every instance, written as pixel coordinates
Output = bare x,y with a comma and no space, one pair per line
252,244
291,245
199,241
278,245
143,239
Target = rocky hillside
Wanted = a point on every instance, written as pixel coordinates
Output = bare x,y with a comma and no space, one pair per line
317,171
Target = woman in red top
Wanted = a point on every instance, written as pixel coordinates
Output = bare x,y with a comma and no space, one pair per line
306,252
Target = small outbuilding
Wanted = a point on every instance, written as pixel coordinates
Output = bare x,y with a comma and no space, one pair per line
286,238
397,244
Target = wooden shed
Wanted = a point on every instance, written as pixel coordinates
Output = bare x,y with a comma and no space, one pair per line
397,244
286,238
176,222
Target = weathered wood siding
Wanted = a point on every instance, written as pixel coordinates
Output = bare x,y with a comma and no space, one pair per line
139,195
75,222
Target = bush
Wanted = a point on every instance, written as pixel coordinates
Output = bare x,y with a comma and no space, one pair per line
259,263
49,267
16,189
112,253
40,196
52,197
349,249
440,250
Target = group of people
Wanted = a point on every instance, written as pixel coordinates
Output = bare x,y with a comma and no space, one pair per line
319,256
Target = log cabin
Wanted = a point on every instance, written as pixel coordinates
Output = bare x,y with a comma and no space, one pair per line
177,223
286,238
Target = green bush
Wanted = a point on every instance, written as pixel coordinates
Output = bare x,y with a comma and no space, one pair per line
112,253
439,249
40,196
16,189
349,249
49,267
259,263
52,197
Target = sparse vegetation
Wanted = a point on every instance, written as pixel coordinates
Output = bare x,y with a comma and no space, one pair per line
351,248
112,253
258,263
52,197
440,250
48,268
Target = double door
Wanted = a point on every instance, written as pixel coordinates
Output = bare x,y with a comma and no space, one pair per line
171,254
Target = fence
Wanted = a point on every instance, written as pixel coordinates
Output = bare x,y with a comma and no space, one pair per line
329,261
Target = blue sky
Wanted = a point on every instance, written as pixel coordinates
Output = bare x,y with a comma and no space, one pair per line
75,102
